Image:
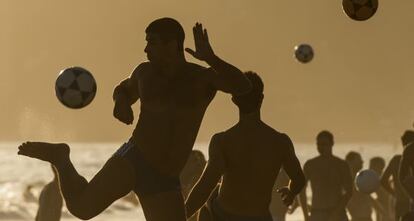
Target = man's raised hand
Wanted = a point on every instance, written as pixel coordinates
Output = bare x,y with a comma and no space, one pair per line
203,50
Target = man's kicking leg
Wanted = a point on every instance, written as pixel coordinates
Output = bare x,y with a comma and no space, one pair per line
84,200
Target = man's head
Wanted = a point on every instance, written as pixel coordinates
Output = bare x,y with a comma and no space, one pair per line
354,161
325,142
165,38
377,164
251,101
407,137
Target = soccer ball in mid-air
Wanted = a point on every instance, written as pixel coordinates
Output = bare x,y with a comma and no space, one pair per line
75,87
304,53
367,181
360,10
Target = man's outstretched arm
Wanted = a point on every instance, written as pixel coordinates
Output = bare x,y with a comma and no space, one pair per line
208,180
225,77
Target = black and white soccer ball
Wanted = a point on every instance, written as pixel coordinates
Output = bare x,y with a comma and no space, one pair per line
360,10
304,53
75,87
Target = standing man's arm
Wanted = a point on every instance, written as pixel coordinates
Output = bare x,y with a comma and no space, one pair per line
293,169
348,188
303,199
385,178
208,180
226,77
125,94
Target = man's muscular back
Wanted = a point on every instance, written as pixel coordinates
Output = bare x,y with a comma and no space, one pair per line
254,154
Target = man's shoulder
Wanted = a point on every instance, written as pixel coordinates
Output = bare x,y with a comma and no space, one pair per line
312,161
395,159
279,137
196,68
409,150
142,68
333,161
339,160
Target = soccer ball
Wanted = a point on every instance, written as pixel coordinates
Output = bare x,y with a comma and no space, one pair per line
75,87
303,53
367,181
360,10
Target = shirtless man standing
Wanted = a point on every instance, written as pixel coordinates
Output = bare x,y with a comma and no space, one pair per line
406,171
174,96
390,176
331,183
249,157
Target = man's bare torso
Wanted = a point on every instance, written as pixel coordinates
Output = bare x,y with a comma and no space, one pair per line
327,176
253,160
172,109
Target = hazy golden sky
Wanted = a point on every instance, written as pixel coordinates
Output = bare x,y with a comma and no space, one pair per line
359,84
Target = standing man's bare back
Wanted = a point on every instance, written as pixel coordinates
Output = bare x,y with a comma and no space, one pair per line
174,95
331,183
249,157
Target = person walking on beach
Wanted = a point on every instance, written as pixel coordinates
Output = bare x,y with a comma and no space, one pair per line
331,183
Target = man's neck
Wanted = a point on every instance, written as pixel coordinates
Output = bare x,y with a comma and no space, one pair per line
249,117
171,66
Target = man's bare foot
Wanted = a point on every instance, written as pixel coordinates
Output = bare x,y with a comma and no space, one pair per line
53,153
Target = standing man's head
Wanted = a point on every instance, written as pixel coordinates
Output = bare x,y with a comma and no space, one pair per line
407,137
377,164
165,40
325,142
251,101
354,161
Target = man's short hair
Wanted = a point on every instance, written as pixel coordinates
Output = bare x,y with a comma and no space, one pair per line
351,156
377,161
325,134
251,101
408,137
168,29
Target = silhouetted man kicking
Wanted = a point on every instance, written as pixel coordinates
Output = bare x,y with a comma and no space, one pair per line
331,183
248,156
174,95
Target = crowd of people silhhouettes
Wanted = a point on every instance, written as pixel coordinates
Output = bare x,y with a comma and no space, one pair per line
252,172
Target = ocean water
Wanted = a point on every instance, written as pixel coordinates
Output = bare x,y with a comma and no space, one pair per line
17,173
